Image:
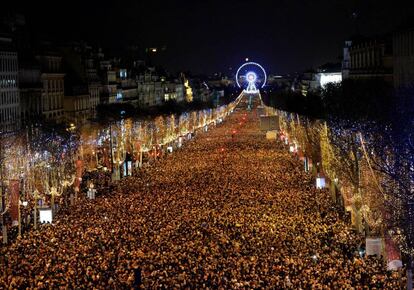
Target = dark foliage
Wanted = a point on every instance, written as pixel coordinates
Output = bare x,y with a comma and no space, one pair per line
356,100
114,111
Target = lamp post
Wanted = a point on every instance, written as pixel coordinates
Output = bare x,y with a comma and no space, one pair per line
52,193
140,157
19,219
35,195
3,196
21,203
111,145
3,211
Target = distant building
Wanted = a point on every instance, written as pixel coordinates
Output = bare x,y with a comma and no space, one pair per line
369,59
82,83
200,90
53,86
30,83
174,91
280,82
314,80
94,96
9,88
219,80
128,87
110,92
94,83
403,50
154,90
346,62
78,106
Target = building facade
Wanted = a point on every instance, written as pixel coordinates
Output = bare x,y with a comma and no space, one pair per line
9,88
154,90
403,50
371,59
30,93
53,87
83,85
346,61
150,90
94,82
77,108
94,94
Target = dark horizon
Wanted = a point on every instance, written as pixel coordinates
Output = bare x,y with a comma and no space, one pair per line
284,36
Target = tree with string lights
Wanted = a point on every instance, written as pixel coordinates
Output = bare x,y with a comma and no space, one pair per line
391,146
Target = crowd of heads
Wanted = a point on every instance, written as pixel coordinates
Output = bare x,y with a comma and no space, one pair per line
229,210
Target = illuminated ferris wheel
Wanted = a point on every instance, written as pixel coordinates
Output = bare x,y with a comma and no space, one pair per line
251,77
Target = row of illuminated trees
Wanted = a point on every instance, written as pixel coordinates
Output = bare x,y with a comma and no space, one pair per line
43,165
359,135
108,145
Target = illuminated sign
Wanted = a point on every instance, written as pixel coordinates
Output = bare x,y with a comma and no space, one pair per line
45,215
320,182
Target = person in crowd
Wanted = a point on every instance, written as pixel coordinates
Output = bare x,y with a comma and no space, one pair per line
225,212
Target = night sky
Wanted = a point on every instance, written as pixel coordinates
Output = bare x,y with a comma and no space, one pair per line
208,36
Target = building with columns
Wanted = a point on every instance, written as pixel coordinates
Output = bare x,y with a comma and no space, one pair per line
369,58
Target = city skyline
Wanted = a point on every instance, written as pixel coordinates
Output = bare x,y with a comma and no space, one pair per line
215,36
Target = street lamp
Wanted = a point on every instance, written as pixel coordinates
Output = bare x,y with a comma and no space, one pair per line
71,127
52,193
36,196
24,204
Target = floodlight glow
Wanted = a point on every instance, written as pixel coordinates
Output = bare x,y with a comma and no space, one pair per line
251,78
326,78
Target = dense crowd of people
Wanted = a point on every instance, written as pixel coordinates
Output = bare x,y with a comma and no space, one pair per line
100,179
228,210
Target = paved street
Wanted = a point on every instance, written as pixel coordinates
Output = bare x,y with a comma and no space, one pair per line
229,210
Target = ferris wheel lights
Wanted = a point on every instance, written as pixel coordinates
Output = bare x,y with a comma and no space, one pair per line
251,77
